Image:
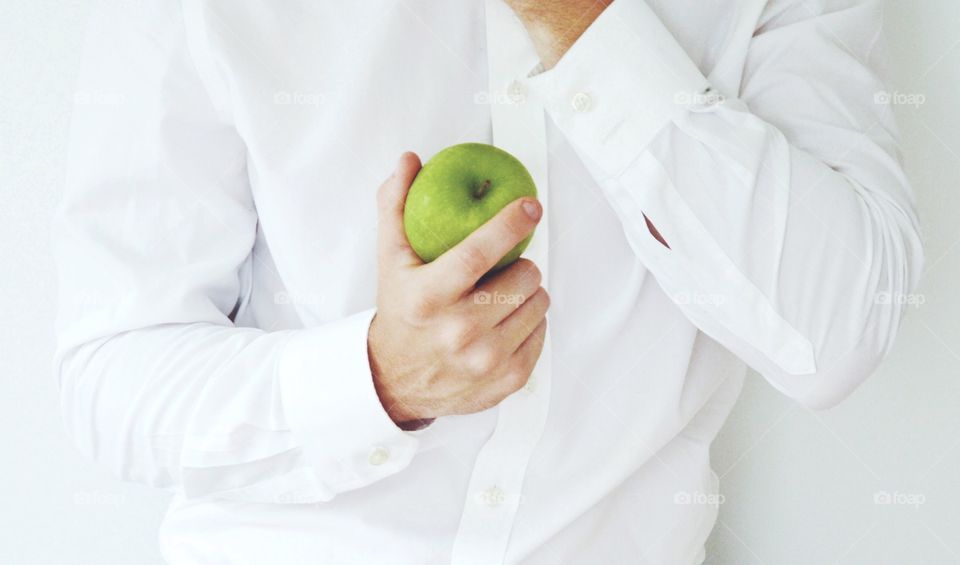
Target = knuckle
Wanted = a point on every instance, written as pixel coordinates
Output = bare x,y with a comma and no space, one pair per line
534,309
483,360
535,275
529,273
532,306
516,377
474,259
458,334
543,297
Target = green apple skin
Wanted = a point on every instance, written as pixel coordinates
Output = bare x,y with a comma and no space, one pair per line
457,191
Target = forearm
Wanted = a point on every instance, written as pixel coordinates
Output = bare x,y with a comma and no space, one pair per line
144,403
212,409
778,220
795,267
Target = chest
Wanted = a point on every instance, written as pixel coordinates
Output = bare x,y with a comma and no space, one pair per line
327,95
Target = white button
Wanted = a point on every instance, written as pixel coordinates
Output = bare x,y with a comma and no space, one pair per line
492,497
378,456
581,102
517,92
705,100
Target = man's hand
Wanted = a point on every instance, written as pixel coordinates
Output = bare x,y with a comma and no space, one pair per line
440,343
554,25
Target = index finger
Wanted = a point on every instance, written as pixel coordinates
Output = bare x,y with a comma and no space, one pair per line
457,271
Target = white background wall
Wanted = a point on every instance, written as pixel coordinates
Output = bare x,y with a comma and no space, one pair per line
800,487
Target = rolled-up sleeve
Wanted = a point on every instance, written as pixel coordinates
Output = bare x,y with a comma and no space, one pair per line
789,226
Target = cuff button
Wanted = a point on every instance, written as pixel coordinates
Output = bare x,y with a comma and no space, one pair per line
378,456
581,102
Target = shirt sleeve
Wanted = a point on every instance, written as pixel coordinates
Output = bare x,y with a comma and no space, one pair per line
156,222
790,230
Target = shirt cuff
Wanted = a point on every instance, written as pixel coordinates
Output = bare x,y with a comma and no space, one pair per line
332,407
619,84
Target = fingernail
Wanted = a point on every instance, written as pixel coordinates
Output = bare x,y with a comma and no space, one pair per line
532,208
400,160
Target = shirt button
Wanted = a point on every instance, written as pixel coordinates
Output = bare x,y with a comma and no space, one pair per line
517,92
378,456
706,99
581,102
492,497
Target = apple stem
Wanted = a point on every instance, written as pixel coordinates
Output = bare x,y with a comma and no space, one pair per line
482,189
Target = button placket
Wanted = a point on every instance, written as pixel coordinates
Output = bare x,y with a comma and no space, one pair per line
496,482
492,497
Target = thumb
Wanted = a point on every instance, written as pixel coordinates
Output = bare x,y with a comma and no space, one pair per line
392,244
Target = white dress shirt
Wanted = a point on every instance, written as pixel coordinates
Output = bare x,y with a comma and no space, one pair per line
217,262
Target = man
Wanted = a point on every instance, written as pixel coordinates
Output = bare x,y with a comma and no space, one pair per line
244,323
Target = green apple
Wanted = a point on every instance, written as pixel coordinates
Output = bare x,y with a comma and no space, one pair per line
458,190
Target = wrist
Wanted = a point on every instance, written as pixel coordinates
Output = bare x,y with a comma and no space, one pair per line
398,411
